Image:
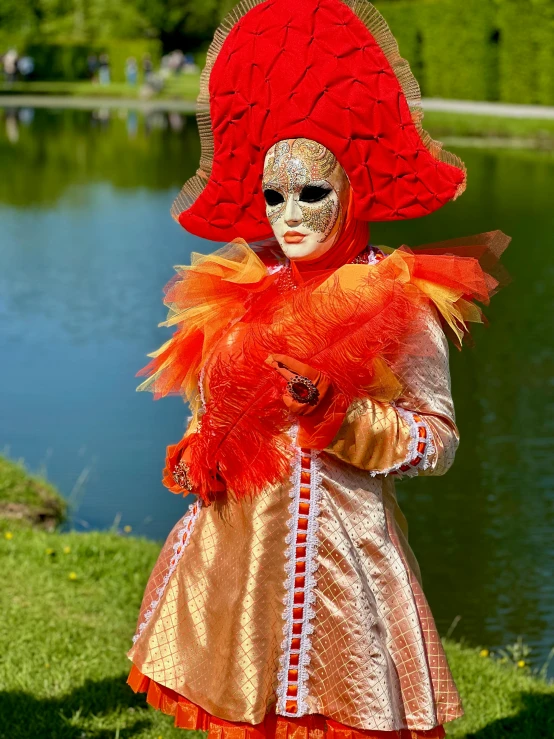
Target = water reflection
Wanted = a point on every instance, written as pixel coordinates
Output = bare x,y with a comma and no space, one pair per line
87,244
155,119
69,147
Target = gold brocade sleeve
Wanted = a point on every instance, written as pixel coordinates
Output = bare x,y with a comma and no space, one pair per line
379,437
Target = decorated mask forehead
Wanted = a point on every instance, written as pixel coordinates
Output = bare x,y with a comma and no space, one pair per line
293,164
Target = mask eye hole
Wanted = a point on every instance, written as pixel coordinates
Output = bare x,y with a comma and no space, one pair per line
313,193
272,197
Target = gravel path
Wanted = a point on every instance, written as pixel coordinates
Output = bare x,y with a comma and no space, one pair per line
501,110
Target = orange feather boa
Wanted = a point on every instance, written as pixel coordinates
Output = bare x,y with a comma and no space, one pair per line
354,326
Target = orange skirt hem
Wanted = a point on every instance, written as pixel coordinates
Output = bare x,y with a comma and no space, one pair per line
314,726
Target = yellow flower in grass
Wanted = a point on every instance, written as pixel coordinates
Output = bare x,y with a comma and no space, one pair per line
484,653
50,551
8,535
67,550
72,576
127,529
521,663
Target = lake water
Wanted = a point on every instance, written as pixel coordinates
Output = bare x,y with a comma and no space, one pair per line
86,245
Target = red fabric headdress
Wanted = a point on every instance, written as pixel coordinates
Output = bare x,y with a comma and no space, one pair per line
327,70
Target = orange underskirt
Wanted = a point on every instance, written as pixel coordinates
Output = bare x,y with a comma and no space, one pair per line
190,716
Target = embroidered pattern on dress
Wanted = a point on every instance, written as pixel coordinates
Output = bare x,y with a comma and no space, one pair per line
420,449
183,538
292,691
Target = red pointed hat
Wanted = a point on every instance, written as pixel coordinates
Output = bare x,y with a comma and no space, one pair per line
327,70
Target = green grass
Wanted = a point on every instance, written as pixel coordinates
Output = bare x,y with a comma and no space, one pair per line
27,500
465,124
63,643
183,87
501,702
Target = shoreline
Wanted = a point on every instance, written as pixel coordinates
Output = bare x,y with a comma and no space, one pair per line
59,100
455,123
82,102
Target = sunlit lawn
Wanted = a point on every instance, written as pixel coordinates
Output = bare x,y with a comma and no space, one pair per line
69,604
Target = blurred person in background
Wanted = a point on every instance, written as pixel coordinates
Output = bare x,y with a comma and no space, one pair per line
104,69
189,65
147,67
131,71
10,65
174,61
26,66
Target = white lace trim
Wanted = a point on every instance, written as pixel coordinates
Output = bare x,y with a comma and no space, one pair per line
201,386
424,457
308,590
181,543
372,255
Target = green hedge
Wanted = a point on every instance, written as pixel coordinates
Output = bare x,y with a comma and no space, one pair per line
477,49
60,61
527,58
68,61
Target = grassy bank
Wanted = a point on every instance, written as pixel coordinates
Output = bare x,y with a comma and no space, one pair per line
69,603
27,500
184,87
464,125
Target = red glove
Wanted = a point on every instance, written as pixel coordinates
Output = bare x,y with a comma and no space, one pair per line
310,396
306,386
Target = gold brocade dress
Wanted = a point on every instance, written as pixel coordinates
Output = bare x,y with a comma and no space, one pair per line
307,600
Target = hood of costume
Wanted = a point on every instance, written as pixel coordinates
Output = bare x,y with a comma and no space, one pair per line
326,70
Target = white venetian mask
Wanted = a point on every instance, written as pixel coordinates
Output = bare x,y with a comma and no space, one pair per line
306,192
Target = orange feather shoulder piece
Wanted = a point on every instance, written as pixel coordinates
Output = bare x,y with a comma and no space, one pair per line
203,300
354,326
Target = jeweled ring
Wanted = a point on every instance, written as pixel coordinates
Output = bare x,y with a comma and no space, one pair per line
181,476
302,390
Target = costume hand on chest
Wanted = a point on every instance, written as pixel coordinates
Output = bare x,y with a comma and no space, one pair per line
306,387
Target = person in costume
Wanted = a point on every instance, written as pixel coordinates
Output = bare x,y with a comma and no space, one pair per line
287,601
